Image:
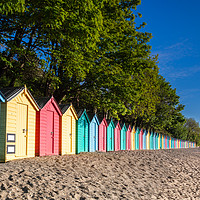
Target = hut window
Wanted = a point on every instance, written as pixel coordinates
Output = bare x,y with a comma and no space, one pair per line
10,149
10,137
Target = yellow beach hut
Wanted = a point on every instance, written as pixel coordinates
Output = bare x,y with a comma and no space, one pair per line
133,138
68,130
148,141
158,140
17,130
163,141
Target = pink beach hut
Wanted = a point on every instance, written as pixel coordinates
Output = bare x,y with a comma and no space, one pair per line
117,135
141,139
128,138
102,134
48,127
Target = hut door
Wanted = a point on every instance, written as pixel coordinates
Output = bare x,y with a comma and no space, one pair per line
50,133
104,138
69,133
93,139
21,139
84,130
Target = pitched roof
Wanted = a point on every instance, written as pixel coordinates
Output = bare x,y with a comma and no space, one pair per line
11,92
2,98
80,112
127,126
100,117
121,124
41,101
64,107
115,123
90,116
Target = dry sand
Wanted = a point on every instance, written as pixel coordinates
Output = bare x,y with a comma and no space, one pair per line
161,174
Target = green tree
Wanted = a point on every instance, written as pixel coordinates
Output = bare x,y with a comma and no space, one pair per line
193,130
168,110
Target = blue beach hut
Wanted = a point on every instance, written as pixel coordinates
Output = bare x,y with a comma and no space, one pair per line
93,132
145,139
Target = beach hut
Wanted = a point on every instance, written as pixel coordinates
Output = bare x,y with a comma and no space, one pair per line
97,133
154,141
137,138
151,140
160,146
148,140
175,140
117,131
82,131
123,137
157,140
17,127
48,129
68,129
110,135
141,139
172,143
133,138
163,141
168,141
145,139
103,134
128,137
158,136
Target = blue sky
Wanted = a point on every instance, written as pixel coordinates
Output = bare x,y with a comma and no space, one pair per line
175,26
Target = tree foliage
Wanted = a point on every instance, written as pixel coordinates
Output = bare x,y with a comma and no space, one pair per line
91,53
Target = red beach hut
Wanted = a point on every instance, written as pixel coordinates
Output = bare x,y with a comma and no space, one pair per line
117,135
102,134
141,139
48,127
128,138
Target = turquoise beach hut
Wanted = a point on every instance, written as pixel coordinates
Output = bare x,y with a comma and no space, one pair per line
154,141
137,138
110,135
151,140
157,137
167,142
82,131
123,137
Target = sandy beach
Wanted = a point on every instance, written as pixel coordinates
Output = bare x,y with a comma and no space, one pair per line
161,174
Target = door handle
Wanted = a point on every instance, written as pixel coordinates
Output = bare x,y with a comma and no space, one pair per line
24,130
51,133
